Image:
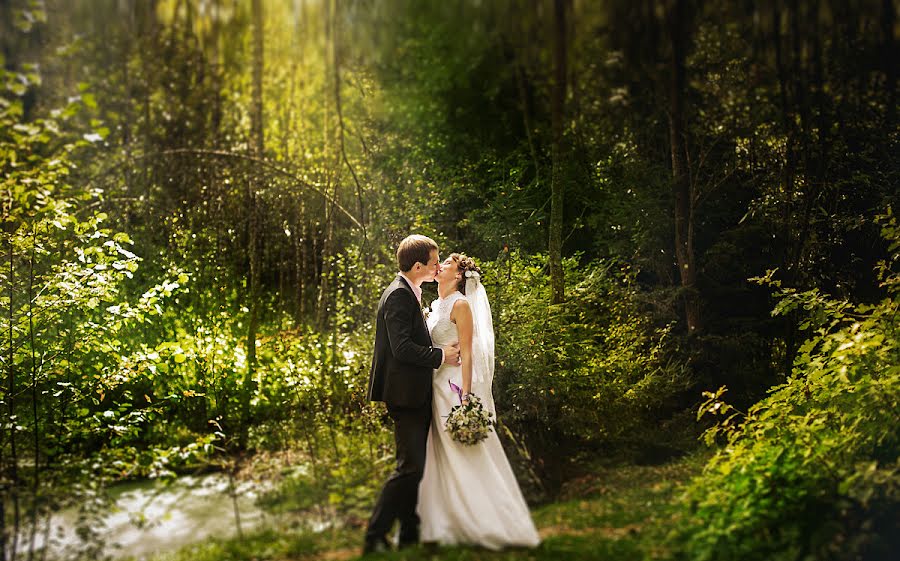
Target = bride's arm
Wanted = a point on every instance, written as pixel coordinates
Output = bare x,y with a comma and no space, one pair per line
462,316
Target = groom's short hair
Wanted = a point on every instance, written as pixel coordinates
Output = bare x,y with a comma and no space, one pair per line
414,249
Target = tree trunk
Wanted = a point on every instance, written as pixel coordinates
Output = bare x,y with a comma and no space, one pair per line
557,282
333,167
786,66
257,148
526,117
218,68
300,257
5,50
126,13
11,495
336,54
4,536
889,58
681,184
36,481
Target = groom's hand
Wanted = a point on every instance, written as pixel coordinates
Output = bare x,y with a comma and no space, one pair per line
451,354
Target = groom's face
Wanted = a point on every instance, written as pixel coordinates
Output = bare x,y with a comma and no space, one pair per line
430,269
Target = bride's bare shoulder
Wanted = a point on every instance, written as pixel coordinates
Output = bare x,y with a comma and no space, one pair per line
461,310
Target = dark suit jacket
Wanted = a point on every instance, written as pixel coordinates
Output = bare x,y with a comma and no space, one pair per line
404,357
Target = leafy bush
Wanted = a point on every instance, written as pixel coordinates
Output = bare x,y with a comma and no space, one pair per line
593,371
310,401
71,420
811,471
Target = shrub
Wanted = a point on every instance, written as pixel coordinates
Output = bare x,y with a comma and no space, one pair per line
591,372
811,471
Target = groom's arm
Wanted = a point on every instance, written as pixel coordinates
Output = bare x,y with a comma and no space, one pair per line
398,319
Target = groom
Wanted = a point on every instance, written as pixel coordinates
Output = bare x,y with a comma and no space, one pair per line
401,373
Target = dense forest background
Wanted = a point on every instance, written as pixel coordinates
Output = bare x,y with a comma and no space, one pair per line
670,200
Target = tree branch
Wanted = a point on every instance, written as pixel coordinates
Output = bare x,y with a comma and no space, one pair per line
267,164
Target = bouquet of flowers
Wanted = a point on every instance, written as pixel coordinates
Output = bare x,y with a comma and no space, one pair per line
468,423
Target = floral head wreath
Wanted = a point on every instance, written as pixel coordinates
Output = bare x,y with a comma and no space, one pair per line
468,268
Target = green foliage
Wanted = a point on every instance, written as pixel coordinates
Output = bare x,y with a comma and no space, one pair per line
310,397
132,147
812,470
261,545
611,513
71,421
593,370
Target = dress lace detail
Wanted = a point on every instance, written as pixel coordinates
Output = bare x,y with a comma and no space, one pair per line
443,330
468,494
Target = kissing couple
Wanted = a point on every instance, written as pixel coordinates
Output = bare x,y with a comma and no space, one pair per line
441,491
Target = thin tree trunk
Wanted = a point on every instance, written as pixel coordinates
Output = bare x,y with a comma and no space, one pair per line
557,281
127,106
681,185
303,264
802,101
788,177
6,42
4,537
889,58
6,34
34,402
298,234
217,68
526,118
257,147
336,56
12,478
324,297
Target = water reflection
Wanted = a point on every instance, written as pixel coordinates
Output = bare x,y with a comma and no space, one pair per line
158,516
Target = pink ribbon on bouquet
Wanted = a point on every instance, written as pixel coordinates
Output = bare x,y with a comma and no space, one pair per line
456,389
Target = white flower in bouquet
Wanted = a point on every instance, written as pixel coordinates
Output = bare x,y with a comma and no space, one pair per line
468,423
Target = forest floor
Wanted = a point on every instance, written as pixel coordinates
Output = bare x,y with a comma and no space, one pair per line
622,512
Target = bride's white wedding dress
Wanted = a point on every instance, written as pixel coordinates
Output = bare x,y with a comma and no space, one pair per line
468,494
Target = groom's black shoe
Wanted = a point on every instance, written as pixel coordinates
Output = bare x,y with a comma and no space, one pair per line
377,545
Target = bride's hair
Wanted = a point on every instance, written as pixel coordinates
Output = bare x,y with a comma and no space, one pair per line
465,264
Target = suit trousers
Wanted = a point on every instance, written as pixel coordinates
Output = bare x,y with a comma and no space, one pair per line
400,494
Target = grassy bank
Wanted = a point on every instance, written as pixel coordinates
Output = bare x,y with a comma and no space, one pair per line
622,512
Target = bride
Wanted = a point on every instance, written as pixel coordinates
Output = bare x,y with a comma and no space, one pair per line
468,494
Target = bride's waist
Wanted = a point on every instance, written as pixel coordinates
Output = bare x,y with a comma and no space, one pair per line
448,368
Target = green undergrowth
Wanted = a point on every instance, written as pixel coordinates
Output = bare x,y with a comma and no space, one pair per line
623,512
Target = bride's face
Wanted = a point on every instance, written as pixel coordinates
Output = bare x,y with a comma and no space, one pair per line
449,272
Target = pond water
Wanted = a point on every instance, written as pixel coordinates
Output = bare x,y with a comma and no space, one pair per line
157,516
